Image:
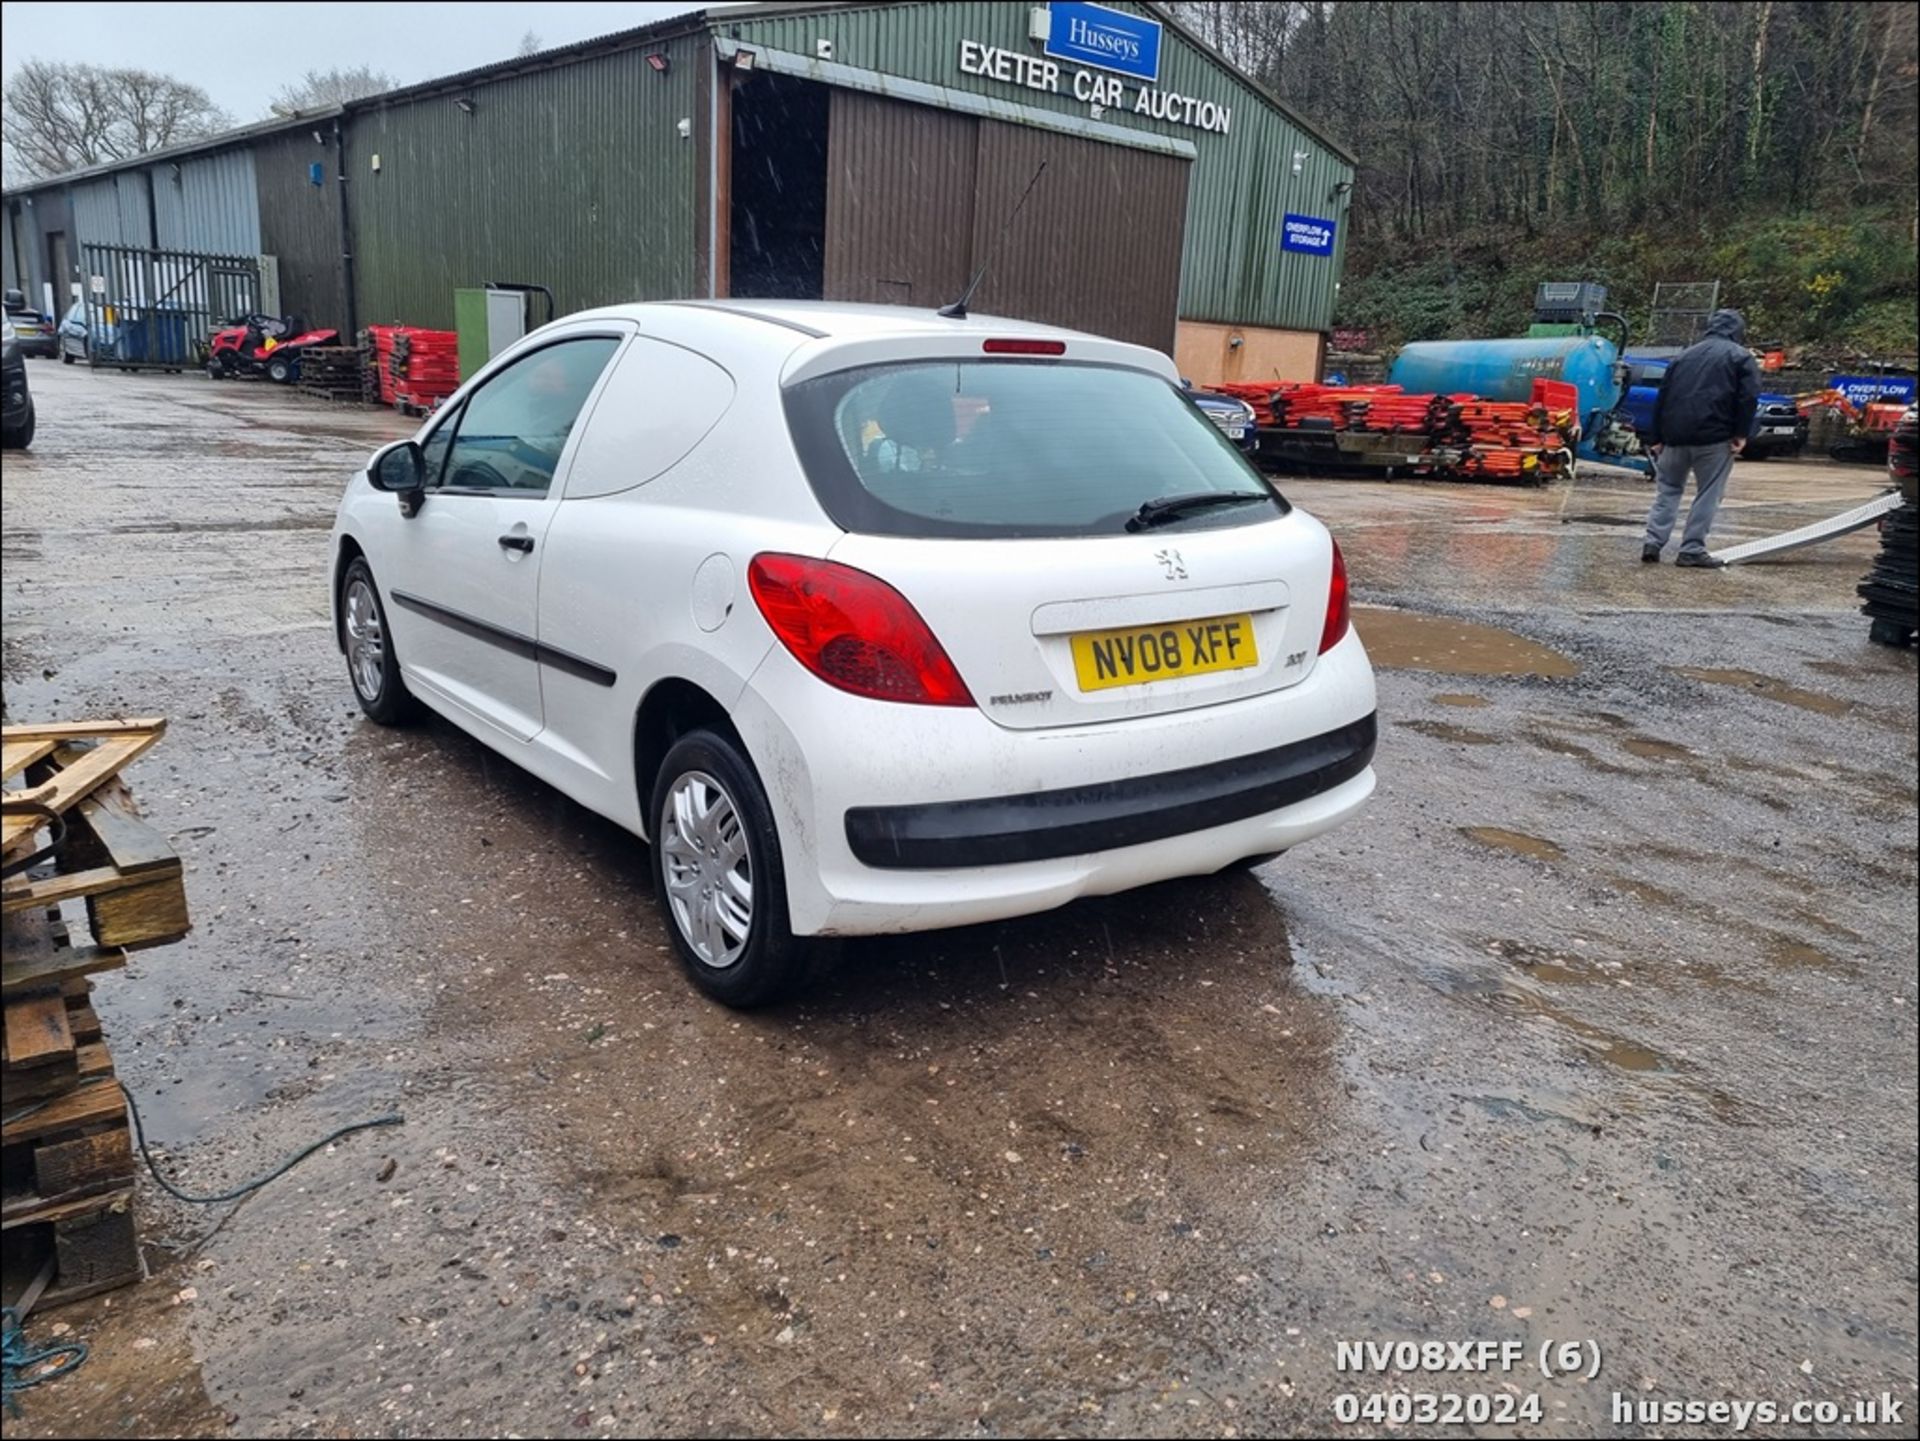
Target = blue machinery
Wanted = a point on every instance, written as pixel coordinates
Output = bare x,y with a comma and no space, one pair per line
1567,351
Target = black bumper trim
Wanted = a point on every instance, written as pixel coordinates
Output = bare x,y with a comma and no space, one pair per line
1044,825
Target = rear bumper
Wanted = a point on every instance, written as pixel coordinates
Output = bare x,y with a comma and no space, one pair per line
993,823
1045,825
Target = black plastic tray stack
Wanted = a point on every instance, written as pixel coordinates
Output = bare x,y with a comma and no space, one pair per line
1892,588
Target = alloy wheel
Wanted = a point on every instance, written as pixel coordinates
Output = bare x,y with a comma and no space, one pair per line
708,868
366,639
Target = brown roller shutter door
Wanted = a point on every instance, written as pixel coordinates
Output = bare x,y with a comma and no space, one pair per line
916,198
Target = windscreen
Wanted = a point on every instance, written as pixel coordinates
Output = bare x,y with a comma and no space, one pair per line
1015,448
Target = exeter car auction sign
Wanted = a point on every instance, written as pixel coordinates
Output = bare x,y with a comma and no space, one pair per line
1106,40
1110,39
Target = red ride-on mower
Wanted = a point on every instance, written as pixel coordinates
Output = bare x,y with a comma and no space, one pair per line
268,345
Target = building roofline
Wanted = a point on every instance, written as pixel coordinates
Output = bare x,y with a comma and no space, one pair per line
671,28
205,145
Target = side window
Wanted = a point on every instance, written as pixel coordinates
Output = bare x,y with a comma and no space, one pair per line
512,430
437,446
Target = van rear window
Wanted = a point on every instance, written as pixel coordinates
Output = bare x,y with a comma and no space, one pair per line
1013,448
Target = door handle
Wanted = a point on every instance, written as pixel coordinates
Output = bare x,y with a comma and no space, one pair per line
522,543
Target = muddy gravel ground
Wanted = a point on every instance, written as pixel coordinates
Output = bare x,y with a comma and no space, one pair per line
1598,1027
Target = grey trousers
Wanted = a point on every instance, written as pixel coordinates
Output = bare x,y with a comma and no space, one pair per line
1710,464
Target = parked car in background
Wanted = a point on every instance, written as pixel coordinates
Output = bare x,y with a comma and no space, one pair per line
1778,426
869,619
78,341
32,331
16,418
1235,418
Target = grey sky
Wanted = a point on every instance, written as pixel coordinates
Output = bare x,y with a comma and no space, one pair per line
242,54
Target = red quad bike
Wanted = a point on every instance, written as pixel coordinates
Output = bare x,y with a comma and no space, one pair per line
263,345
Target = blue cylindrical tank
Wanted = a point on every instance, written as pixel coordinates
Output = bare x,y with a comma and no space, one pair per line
1506,369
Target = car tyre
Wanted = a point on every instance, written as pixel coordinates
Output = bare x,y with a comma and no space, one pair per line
717,870
372,667
21,438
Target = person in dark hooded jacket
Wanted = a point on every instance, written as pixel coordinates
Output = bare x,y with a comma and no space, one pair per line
1701,419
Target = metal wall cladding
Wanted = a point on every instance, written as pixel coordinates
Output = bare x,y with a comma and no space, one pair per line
205,203
1098,245
573,177
900,201
918,198
112,210
1242,183
300,224
208,203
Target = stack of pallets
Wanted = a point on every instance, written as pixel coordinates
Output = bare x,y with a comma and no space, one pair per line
1892,588
331,372
66,1162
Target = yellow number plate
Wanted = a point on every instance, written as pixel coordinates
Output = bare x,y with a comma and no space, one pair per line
1140,655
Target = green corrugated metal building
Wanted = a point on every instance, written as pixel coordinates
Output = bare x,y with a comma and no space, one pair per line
856,151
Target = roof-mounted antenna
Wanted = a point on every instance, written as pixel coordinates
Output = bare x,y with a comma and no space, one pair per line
958,310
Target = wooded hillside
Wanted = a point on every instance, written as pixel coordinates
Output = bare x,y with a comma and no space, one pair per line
1775,139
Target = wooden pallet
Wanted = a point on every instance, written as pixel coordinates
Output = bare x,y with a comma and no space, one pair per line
66,1153
126,871
96,752
93,1246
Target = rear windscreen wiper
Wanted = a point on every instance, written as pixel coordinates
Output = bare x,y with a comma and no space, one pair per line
1171,507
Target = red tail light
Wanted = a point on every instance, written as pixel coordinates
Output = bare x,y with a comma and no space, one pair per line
1024,347
854,631
1338,618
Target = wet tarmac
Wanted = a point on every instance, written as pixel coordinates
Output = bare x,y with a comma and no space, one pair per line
1599,1025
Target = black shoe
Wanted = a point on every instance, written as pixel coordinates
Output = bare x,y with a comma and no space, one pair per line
1649,555
1698,560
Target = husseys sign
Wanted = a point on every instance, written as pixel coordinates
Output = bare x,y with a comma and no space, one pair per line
1126,45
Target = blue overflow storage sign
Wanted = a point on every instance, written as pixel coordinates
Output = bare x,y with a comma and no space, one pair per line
1308,234
1107,39
1865,389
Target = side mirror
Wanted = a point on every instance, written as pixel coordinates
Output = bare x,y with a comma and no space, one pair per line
402,469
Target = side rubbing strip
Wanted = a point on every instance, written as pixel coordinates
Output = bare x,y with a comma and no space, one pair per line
510,641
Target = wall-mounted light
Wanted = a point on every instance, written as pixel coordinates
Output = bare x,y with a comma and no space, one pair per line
658,62
743,60
823,50
1344,187
465,103
318,138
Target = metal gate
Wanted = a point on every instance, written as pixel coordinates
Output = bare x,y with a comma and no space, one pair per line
154,309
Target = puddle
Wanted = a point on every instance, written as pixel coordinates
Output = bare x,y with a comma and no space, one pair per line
1798,955
1856,670
1555,967
1440,730
1404,640
1598,1043
1556,745
1768,686
1657,750
1644,891
1508,1108
1461,699
1518,842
